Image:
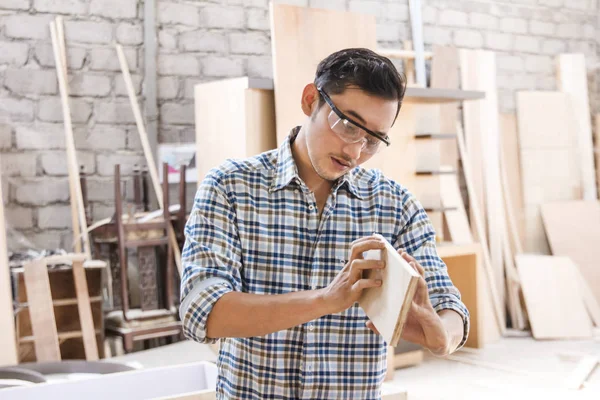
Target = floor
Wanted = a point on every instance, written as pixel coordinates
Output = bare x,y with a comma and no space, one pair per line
513,368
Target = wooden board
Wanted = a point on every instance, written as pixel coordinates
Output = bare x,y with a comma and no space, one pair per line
478,72
8,344
456,216
511,167
444,75
597,148
548,159
573,230
219,135
301,37
41,311
572,79
85,312
387,305
550,288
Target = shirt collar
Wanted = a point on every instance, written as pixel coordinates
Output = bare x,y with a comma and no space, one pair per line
287,170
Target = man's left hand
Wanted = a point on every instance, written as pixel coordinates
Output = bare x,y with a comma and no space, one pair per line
423,325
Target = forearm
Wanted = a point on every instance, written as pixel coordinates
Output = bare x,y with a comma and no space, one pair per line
454,326
239,314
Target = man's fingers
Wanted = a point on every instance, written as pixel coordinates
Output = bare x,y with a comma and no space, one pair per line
367,264
362,284
369,244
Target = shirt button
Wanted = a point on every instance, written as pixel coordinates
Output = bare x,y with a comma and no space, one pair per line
314,287
343,261
311,327
311,207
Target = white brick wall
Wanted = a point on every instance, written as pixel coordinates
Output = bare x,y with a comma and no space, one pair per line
204,40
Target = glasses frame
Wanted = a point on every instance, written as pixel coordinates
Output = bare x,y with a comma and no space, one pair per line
341,115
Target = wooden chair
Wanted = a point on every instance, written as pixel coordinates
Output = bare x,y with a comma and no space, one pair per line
151,321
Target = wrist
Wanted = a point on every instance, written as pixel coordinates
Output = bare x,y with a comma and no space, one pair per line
322,302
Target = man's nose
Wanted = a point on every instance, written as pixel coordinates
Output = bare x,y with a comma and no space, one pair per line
353,150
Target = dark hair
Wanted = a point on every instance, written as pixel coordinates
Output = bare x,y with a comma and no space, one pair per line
364,69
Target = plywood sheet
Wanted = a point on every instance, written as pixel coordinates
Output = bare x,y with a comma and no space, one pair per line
8,344
550,287
41,311
233,120
456,216
444,75
572,79
85,312
387,305
573,230
548,158
482,131
301,37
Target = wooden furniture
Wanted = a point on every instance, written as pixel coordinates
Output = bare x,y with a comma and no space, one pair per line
152,320
8,344
235,118
65,309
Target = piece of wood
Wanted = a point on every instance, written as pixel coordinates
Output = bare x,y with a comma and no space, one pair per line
456,216
408,359
573,230
548,159
477,218
298,45
444,75
597,148
572,79
463,263
580,374
220,137
8,343
41,311
478,72
407,54
409,65
387,305
85,312
147,150
591,304
510,170
416,24
550,289
79,226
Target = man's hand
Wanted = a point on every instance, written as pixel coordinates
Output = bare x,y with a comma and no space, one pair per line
423,325
347,286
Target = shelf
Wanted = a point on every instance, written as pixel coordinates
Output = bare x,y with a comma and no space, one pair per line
435,95
430,173
66,302
61,336
439,209
422,136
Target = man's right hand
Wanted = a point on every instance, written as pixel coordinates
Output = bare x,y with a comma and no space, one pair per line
347,286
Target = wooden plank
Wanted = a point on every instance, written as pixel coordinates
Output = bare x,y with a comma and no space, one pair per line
403,54
298,45
444,75
387,305
147,150
550,288
85,312
41,311
572,79
478,72
591,304
497,305
597,148
8,344
580,374
218,136
456,218
58,46
416,24
548,158
510,169
573,230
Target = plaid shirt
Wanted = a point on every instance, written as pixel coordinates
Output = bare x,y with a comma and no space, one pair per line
255,228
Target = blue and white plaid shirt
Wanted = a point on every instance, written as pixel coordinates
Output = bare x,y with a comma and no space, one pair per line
255,228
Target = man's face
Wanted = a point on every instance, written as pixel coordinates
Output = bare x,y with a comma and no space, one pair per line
330,155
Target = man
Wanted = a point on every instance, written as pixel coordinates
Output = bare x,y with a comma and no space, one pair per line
273,256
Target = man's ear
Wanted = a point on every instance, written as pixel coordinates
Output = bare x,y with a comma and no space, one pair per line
310,99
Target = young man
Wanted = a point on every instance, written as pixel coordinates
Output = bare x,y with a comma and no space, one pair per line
273,256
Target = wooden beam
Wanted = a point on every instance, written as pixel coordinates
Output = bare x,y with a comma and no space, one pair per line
85,312
416,24
580,374
41,311
147,150
79,227
402,54
8,341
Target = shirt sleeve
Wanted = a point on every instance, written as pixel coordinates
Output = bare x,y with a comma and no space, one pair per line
417,238
211,258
